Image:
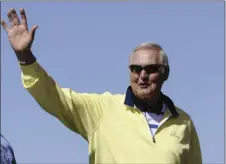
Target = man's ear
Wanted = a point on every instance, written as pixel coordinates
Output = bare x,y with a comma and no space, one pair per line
166,72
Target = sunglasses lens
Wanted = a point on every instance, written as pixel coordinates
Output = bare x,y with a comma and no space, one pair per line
135,69
151,69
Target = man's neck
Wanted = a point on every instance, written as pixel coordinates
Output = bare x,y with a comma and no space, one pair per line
153,101
152,105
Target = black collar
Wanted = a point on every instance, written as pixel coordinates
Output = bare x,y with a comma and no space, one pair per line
130,101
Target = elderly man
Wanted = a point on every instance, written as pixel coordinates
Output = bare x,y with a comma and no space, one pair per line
142,126
7,154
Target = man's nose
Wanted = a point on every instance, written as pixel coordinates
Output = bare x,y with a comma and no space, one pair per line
143,75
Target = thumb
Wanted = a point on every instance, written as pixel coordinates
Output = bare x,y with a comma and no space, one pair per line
32,31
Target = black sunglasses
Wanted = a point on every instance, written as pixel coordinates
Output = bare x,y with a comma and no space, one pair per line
149,69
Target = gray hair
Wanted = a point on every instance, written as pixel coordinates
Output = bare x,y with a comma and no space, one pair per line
154,46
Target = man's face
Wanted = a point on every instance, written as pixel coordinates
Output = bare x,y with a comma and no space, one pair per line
146,83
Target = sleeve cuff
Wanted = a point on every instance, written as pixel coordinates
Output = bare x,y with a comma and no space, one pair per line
31,73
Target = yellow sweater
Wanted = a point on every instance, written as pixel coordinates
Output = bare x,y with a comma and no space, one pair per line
116,132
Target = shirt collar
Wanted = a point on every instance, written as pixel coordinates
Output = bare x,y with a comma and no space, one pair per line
167,101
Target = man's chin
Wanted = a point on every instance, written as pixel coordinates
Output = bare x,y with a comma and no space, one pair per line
145,94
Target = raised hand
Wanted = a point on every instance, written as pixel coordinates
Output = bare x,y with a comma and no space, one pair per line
19,36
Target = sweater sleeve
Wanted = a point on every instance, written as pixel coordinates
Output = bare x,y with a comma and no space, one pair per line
80,112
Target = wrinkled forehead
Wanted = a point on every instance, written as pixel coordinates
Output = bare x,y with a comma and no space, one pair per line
146,57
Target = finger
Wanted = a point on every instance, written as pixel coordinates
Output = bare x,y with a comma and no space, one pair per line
10,18
23,18
32,32
15,17
4,25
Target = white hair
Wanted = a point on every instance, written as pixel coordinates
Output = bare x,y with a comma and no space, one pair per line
154,46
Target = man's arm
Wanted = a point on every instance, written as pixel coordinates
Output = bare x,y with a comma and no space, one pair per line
80,112
194,152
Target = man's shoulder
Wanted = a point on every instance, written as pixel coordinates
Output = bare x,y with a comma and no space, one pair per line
7,154
183,115
4,142
119,97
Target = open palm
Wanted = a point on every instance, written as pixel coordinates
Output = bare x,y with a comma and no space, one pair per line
19,36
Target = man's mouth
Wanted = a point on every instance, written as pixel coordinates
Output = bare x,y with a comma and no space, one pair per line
143,85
